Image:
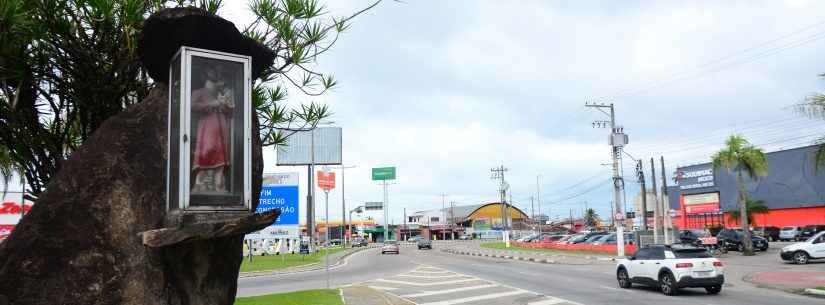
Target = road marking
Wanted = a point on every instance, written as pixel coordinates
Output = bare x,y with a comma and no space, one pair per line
382,287
429,293
431,272
477,298
550,301
609,288
431,276
428,284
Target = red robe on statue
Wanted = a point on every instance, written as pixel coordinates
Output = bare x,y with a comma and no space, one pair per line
210,144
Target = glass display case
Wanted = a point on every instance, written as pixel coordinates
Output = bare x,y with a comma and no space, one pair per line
209,151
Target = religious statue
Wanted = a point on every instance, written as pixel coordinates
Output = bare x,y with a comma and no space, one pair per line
213,104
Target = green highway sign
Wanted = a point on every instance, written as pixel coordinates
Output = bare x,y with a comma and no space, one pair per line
383,173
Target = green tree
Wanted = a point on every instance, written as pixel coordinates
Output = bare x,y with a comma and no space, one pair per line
753,207
814,107
591,218
68,65
740,157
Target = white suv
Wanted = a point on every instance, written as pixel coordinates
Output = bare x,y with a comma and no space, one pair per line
801,253
671,268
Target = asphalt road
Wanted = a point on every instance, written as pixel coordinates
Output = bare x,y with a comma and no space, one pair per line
589,284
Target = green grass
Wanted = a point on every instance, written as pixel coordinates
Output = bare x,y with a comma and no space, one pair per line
500,246
305,297
276,262
821,287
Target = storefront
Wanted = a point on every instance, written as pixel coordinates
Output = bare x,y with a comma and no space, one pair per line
793,192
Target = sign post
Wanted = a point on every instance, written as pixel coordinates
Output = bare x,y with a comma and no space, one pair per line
383,174
326,181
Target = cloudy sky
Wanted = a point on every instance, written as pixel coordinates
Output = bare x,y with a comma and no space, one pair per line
445,90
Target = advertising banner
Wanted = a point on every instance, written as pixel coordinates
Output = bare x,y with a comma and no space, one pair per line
701,203
5,231
326,180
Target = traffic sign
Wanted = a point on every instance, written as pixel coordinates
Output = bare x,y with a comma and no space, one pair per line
326,180
383,173
619,216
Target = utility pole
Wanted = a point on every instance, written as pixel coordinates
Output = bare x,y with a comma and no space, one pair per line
311,193
386,213
665,204
538,200
640,174
532,211
657,208
444,215
452,220
498,174
405,225
344,226
617,140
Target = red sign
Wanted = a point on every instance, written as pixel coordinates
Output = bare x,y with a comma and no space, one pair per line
702,208
326,181
5,231
14,208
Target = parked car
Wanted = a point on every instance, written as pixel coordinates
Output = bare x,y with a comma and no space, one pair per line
692,236
415,239
731,239
390,246
563,239
594,238
789,233
528,238
465,237
335,242
809,231
769,233
671,268
610,239
583,237
802,252
359,242
425,244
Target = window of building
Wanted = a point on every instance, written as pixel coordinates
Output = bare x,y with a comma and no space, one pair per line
434,219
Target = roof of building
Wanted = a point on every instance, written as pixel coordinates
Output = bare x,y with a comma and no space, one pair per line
463,211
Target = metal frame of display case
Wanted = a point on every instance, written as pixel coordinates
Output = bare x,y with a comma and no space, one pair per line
185,54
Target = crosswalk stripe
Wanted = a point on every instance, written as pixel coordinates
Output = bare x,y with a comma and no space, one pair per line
428,284
429,293
476,298
550,301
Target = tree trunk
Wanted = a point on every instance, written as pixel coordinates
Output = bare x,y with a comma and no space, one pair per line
743,217
79,244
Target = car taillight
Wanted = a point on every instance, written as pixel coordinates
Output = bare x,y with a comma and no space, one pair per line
717,264
684,265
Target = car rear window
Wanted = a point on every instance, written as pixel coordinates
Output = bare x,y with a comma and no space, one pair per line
788,228
691,253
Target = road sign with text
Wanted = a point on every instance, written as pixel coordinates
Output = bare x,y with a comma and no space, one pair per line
326,180
383,173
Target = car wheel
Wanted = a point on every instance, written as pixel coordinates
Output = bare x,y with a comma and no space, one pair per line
713,289
800,257
667,284
624,280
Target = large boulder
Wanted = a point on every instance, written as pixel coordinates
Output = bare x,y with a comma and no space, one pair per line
80,242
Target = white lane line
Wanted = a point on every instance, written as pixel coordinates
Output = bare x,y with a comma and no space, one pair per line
431,276
382,287
437,292
477,298
608,288
430,272
550,301
427,284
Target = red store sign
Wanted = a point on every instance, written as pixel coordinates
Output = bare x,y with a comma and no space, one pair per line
14,208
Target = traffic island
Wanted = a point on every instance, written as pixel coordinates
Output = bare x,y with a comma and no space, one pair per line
802,282
304,297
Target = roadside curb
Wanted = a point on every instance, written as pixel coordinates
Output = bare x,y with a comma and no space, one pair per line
524,258
815,292
302,268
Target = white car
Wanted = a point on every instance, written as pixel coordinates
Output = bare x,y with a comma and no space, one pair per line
789,233
670,268
802,252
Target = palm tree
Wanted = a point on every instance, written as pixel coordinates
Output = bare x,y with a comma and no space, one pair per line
753,207
814,108
741,157
591,218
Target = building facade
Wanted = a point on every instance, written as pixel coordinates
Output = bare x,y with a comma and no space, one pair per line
793,191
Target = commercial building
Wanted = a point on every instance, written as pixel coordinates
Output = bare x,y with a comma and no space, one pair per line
793,191
480,220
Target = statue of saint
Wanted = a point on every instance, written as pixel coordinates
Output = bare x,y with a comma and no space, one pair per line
213,104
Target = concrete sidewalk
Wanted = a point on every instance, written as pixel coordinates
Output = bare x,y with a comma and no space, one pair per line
531,256
794,281
363,295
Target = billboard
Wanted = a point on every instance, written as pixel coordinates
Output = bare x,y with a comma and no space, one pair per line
326,180
326,144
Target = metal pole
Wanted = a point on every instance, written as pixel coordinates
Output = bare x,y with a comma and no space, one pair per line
311,193
657,209
404,237
665,205
641,174
326,233
444,214
386,213
538,200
